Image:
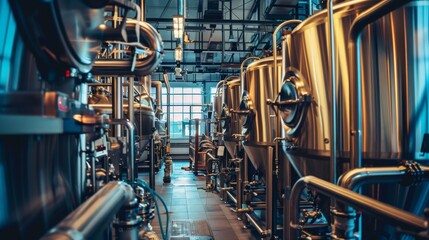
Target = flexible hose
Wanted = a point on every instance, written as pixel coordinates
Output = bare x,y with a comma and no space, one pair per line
143,184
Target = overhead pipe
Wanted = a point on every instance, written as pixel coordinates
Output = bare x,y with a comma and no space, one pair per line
363,19
390,214
223,82
242,72
344,226
94,214
122,67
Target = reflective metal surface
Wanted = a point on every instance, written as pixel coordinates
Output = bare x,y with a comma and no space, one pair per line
258,119
394,76
395,216
230,122
61,34
217,100
95,214
150,38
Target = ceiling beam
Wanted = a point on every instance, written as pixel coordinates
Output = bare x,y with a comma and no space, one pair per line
216,21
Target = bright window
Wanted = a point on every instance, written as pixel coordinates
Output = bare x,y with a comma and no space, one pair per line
183,101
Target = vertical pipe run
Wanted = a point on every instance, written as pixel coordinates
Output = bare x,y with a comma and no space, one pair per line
81,165
130,160
151,164
143,10
271,199
333,160
131,99
93,173
239,194
117,104
286,200
167,85
276,90
310,7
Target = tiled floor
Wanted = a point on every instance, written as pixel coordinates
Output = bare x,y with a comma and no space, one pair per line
187,199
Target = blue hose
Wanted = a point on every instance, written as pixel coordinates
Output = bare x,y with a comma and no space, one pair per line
155,196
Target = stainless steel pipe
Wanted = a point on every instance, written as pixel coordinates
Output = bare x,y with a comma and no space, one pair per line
260,230
121,67
358,177
130,162
278,122
117,104
242,74
167,85
378,209
131,99
158,89
334,91
94,215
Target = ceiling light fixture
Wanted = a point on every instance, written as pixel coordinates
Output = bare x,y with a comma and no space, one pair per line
178,53
178,26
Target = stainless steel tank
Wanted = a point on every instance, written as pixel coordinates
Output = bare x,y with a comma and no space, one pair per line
144,115
230,122
395,95
395,89
256,117
217,110
217,100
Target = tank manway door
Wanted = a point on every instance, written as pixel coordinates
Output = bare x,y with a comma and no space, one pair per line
293,102
245,111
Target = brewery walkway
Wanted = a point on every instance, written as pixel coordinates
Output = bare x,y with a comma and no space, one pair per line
190,206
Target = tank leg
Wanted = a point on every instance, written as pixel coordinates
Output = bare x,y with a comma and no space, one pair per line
271,196
168,164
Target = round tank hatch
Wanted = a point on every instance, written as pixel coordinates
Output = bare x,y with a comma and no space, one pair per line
225,116
245,113
293,102
289,112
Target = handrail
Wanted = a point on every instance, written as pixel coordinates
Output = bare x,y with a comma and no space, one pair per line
358,177
355,178
390,214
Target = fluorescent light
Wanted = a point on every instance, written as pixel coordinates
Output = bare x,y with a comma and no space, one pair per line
178,26
178,53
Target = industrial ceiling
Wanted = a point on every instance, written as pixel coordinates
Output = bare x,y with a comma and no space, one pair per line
219,34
